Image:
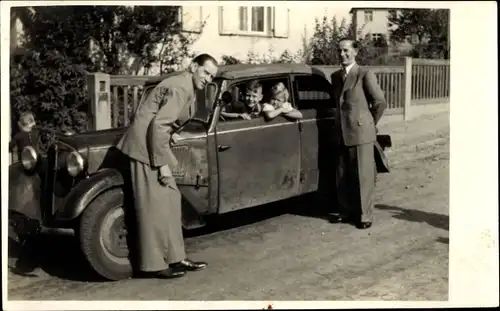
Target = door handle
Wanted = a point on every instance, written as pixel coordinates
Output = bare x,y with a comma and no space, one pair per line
223,147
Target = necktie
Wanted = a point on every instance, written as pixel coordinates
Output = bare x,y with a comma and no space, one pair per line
344,74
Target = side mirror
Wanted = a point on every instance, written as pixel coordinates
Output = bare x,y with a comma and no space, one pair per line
226,98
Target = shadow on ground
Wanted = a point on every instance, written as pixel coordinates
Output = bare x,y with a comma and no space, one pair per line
436,220
303,206
59,254
56,254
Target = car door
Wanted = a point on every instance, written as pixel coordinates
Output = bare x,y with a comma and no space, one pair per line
313,95
258,160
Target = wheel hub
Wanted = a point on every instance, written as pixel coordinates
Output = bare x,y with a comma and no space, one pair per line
114,234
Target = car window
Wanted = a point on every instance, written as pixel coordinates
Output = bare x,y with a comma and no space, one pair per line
238,91
313,92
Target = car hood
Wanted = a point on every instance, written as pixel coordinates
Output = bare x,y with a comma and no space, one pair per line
109,137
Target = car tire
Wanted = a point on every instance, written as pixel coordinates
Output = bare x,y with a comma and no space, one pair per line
103,236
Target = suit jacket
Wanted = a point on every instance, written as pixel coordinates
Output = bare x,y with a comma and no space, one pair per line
148,138
360,104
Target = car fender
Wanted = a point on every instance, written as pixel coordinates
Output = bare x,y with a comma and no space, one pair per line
24,192
87,190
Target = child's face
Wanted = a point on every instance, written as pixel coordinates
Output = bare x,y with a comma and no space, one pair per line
253,97
26,122
279,98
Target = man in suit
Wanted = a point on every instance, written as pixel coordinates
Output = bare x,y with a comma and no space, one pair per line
157,198
360,105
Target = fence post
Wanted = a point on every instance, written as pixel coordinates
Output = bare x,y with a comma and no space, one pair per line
407,77
100,101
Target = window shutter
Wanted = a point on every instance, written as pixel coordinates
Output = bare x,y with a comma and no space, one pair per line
281,22
191,18
229,20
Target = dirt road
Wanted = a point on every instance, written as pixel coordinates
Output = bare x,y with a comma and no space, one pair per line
286,253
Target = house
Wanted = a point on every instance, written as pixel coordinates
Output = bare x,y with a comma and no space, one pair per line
370,21
374,23
237,30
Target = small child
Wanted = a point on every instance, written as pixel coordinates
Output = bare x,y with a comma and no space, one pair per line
279,104
28,134
251,107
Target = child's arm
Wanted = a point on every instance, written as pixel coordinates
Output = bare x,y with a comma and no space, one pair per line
294,114
270,112
230,115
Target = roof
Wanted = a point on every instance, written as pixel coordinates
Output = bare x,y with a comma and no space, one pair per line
250,70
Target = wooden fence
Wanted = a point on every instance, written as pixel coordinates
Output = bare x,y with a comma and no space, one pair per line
417,82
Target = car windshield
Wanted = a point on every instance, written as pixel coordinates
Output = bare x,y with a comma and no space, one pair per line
204,103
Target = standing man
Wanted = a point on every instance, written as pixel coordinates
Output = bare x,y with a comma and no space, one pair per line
157,198
360,105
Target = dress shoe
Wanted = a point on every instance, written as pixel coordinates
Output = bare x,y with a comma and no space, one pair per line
188,265
169,273
363,225
338,218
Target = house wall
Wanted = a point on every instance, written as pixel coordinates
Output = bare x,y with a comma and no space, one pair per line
379,24
216,43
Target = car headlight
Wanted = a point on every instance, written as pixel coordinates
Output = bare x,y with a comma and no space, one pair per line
75,163
29,158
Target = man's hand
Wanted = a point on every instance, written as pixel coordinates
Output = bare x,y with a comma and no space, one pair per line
164,175
174,139
245,116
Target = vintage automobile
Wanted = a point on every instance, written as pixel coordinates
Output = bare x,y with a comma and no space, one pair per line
224,165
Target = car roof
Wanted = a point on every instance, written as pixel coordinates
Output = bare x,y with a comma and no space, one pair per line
239,71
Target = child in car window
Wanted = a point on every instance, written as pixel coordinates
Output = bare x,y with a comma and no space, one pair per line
251,106
279,104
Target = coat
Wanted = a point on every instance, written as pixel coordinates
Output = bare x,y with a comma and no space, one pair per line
148,138
360,103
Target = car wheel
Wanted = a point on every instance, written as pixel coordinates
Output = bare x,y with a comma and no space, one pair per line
103,236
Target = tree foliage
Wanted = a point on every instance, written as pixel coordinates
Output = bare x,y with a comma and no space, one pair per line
429,26
64,43
51,87
322,47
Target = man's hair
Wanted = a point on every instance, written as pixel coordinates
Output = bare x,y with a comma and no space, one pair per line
253,86
354,43
203,58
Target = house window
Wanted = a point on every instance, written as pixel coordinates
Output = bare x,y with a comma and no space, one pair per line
368,16
377,36
252,19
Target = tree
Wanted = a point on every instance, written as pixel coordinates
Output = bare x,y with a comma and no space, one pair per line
325,39
429,26
51,87
64,43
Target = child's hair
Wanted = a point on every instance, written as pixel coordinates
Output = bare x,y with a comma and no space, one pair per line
253,86
279,91
26,119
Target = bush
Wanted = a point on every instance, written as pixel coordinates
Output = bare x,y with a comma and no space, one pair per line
63,43
51,87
